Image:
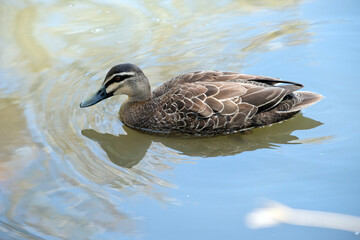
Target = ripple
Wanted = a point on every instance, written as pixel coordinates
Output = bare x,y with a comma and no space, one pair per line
79,159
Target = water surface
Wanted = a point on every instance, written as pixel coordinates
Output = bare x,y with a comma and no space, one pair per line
71,173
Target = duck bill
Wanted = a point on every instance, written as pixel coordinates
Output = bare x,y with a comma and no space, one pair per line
95,98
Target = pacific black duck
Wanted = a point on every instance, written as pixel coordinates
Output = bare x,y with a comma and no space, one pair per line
202,103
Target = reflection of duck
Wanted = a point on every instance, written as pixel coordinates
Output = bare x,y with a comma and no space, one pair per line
202,103
128,150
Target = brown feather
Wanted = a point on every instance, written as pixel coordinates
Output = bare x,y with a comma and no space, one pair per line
188,103
265,97
213,102
231,91
238,119
211,90
229,108
198,106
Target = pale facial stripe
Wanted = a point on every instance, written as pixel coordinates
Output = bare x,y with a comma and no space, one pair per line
112,88
110,82
119,74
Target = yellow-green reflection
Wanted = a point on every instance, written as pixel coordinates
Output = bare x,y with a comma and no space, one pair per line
54,53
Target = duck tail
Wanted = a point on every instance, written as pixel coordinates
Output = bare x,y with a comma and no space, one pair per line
306,100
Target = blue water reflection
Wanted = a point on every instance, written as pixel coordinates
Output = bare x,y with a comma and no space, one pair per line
69,173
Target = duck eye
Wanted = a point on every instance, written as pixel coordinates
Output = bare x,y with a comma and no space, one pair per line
117,78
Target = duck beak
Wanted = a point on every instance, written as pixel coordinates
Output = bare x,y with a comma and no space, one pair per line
95,98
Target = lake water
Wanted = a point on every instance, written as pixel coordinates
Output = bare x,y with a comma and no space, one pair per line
71,173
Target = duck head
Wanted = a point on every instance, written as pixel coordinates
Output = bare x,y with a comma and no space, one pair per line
125,79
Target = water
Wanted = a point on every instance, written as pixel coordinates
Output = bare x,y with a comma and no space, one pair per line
71,173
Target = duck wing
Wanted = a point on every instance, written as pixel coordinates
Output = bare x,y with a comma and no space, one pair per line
226,98
210,101
218,104
217,76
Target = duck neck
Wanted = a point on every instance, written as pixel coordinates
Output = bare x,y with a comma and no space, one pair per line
140,97
136,113
140,90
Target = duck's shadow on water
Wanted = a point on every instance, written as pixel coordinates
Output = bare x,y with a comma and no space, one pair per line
128,150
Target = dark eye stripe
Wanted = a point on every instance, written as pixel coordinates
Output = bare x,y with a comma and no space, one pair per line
118,78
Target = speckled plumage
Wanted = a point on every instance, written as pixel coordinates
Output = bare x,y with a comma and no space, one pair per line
203,103
209,103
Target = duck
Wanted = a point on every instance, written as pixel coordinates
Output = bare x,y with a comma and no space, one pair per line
201,103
